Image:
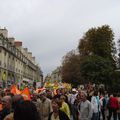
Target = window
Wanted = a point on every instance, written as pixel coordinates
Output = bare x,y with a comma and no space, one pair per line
5,44
1,41
0,50
5,53
14,50
9,47
5,65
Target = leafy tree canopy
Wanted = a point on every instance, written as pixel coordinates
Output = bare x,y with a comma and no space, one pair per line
98,41
71,68
96,69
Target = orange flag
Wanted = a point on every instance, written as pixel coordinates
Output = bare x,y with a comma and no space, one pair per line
40,90
14,90
26,94
1,107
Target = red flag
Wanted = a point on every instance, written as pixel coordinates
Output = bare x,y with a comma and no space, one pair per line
26,94
1,107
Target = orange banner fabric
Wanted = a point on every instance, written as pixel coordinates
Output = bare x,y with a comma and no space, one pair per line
14,90
26,94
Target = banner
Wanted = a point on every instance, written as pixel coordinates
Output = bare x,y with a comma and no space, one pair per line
25,93
14,90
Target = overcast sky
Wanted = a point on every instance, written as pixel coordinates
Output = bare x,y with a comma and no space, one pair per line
51,28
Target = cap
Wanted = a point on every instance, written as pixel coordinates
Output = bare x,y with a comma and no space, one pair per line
74,90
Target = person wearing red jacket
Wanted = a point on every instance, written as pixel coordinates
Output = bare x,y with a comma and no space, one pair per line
113,106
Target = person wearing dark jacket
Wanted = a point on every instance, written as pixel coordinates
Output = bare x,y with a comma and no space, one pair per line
26,110
57,114
6,104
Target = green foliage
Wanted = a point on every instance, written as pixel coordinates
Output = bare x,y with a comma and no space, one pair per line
96,69
115,87
97,49
98,41
96,60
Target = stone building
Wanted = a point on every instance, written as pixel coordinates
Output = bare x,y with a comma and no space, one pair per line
16,63
55,76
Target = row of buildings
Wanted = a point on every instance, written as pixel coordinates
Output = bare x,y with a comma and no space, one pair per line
16,63
55,76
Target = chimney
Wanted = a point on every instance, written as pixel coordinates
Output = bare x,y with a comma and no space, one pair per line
25,52
18,43
4,31
30,55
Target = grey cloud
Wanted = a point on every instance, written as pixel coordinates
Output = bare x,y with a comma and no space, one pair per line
51,28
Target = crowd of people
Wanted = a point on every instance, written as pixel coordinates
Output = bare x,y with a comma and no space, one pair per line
62,104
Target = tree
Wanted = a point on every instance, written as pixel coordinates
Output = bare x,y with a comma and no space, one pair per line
71,68
97,49
98,41
115,87
85,46
96,59
97,69
118,59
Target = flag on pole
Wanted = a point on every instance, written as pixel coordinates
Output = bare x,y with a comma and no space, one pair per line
14,90
26,94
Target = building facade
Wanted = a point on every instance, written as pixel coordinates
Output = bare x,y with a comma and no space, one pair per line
16,63
55,76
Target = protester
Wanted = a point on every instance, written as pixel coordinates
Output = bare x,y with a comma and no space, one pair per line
49,94
57,114
113,106
103,105
58,94
6,107
64,106
96,106
26,110
72,100
15,101
77,102
118,111
85,108
35,100
45,107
